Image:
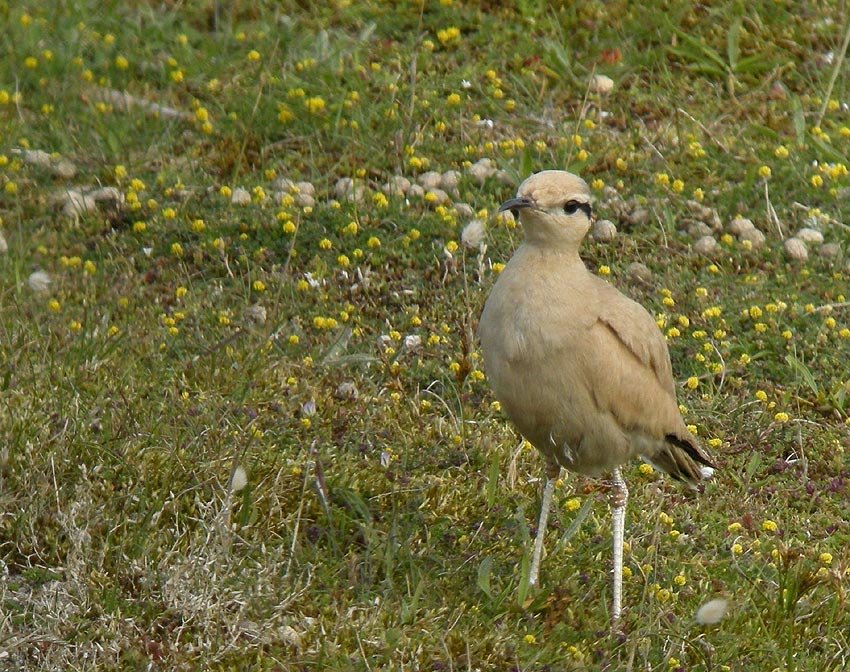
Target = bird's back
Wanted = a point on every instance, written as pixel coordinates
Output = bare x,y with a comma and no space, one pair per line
582,370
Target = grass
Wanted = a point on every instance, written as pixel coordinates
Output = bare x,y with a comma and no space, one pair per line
319,339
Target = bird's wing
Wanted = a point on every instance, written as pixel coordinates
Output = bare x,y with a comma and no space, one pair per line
638,335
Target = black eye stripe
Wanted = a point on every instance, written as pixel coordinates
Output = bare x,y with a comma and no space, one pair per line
571,207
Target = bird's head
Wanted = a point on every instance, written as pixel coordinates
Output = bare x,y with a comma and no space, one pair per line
554,207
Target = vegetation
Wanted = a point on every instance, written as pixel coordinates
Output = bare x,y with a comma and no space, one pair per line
244,423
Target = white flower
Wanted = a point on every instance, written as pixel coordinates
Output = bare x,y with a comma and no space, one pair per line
39,281
238,480
473,234
711,612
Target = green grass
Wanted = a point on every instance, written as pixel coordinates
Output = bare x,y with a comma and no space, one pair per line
387,514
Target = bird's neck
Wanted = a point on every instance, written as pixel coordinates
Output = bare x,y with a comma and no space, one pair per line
564,246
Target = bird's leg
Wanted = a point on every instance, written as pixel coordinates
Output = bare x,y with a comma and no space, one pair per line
552,473
619,497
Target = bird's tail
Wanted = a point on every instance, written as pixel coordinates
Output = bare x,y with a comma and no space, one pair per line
683,459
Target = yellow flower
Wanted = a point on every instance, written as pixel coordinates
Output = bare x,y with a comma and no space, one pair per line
448,36
121,63
253,55
693,383
530,639
764,171
572,504
374,242
769,526
781,152
259,286
453,99
782,416
315,105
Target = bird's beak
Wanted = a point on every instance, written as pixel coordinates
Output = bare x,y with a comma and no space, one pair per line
516,204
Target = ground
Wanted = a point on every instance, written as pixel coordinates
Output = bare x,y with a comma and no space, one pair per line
244,420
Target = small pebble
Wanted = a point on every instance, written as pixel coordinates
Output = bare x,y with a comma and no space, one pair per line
601,84
430,180
603,231
739,225
416,191
412,342
464,210
705,245
256,313
346,390
304,200
812,236
697,229
240,196
796,250
76,204
306,188
755,237
638,217
343,188
481,170
638,272
830,250
449,180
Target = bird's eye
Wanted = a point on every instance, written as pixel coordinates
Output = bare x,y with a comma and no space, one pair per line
572,207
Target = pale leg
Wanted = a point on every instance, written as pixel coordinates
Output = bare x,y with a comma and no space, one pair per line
545,505
619,497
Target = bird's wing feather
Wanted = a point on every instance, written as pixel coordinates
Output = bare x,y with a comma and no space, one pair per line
627,368
638,333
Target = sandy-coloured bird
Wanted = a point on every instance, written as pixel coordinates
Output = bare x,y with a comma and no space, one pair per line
581,370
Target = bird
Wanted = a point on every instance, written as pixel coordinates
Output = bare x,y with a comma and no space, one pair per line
580,369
